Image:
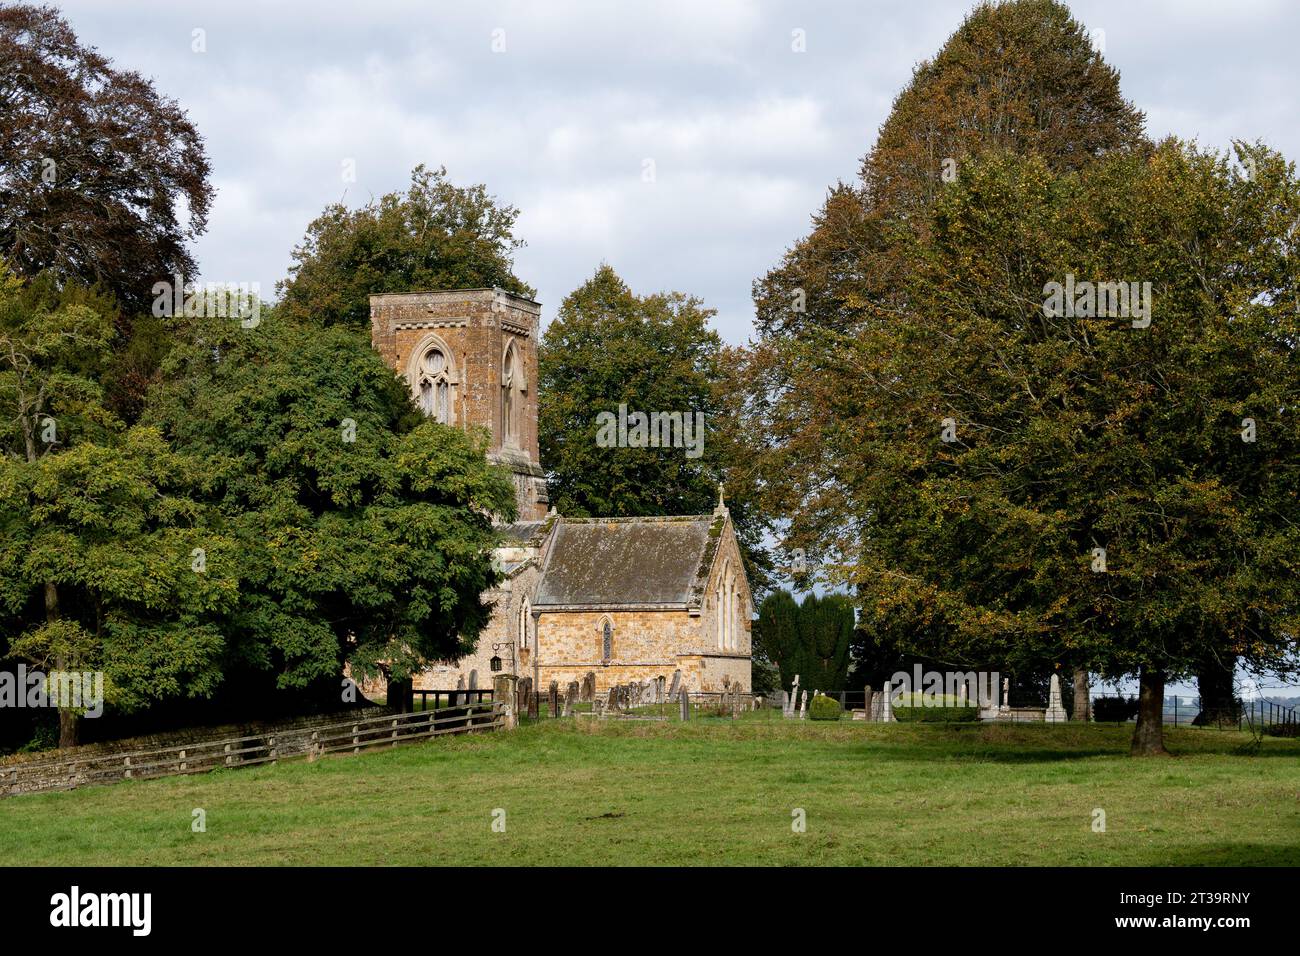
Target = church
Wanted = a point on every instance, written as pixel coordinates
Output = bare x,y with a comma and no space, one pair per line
628,599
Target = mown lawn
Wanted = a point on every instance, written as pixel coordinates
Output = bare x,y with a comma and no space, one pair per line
711,791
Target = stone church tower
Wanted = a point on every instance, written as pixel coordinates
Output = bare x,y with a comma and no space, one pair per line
470,358
604,601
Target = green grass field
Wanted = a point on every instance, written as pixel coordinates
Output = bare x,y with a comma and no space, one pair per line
712,791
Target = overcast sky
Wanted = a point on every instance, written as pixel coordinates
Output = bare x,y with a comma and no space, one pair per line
745,134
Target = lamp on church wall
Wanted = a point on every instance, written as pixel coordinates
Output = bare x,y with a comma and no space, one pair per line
495,662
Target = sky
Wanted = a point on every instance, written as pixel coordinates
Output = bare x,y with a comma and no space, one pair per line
684,142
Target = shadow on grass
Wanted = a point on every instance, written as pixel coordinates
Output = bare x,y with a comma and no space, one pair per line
1230,854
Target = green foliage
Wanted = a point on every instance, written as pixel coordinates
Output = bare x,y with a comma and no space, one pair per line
923,303
917,707
606,347
609,347
98,521
433,236
811,640
361,530
822,707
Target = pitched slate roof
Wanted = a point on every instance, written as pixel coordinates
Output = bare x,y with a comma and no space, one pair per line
622,562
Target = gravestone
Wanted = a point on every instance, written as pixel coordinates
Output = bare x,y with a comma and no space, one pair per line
660,689
589,687
866,700
1055,710
886,702
534,703
612,703
803,705
459,699
676,687
554,694
1006,694
571,699
685,704
785,703
473,684
523,693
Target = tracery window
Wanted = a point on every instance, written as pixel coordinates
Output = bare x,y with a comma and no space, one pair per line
434,385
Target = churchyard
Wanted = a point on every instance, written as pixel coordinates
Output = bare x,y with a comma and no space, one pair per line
758,789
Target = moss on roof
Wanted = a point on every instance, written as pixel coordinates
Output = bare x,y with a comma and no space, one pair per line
627,561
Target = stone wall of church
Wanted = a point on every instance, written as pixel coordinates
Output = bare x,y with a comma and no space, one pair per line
501,629
729,551
646,644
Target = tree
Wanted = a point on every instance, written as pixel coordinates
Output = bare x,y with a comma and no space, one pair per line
433,236
855,360
811,640
95,165
609,348
1030,485
1022,77
99,523
363,530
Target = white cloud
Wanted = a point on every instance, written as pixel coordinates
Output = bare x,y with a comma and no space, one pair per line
746,134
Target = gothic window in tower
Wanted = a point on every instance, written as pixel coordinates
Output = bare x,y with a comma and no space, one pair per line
512,395
606,641
435,385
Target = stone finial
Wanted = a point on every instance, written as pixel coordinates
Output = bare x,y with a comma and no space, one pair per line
721,509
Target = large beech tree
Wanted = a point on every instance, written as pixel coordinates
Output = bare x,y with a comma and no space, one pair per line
917,297
102,179
1021,487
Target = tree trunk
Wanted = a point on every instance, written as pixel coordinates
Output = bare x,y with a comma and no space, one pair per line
1080,694
69,728
1148,735
69,720
1218,703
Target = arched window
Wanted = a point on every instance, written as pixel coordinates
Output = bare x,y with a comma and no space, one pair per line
733,617
432,375
720,604
606,640
525,623
512,395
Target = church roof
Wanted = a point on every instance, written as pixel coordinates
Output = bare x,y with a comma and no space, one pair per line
621,562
